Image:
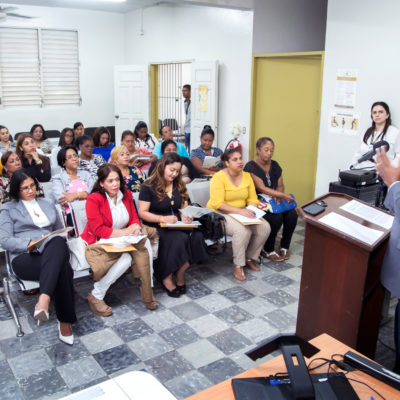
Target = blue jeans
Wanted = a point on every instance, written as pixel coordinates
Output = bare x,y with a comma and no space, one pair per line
187,141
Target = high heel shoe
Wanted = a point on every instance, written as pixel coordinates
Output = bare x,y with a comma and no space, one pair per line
65,339
172,293
41,315
181,288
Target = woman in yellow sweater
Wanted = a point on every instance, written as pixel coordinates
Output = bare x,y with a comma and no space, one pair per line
231,190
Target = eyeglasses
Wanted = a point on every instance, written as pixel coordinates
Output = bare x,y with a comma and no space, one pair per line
72,157
32,186
70,136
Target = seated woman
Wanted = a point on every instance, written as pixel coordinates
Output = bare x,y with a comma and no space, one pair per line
87,160
11,163
167,134
205,149
43,145
35,164
133,177
22,222
71,184
188,171
79,129
102,142
66,138
6,141
267,177
231,190
381,129
143,138
128,140
111,214
160,199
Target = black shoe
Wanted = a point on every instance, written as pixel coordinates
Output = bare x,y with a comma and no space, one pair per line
173,293
181,288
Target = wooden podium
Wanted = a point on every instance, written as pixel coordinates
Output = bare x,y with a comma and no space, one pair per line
340,292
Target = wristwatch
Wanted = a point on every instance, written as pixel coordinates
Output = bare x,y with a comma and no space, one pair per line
40,162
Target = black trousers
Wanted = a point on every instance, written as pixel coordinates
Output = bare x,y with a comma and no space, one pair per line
54,273
289,221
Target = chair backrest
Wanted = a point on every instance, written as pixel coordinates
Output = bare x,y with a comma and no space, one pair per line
48,193
79,218
53,133
172,122
199,192
61,215
17,134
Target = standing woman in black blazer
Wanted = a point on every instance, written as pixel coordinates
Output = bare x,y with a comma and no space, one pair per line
35,164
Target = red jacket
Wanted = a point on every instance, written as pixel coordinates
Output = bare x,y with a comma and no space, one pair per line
99,218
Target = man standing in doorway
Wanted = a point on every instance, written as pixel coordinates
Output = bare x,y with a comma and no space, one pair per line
186,95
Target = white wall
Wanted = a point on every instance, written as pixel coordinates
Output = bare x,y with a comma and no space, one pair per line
188,33
101,45
286,26
364,35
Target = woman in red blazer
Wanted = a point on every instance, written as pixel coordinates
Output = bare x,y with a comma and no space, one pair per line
111,213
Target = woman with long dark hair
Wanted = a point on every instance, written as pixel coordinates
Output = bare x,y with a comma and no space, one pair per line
381,129
37,165
110,214
161,198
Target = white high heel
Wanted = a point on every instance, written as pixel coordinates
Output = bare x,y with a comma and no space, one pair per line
41,315
65,339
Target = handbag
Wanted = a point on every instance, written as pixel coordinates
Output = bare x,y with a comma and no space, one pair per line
77,258
270,205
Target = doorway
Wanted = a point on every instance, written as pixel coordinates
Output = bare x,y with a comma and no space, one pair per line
286,101
167,103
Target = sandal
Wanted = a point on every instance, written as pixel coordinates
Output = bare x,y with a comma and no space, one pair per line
98,307
151,305
251,264
238,273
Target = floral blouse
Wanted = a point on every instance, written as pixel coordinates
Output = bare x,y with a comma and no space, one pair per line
134,180
93,165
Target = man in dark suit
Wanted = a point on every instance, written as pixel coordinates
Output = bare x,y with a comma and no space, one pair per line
390,274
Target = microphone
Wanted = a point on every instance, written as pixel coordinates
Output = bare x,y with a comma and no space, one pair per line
368,155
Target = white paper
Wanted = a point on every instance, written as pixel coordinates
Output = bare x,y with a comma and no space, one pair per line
370,214
346,85
182,224
211,161
351,228
259,213
246,220
195,212
122,241
346,122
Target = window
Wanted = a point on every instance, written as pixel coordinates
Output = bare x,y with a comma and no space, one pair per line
39,67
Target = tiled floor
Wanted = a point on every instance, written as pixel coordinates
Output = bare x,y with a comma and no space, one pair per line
188,343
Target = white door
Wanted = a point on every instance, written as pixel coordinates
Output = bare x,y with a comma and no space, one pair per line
131,97
204,100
